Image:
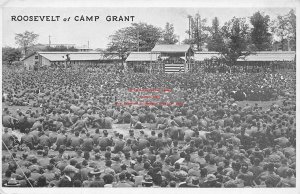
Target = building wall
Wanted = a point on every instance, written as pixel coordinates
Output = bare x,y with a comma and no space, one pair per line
44,62
41,61
80,64
30,62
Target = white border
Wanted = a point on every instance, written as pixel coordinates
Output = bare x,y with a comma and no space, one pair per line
157,3
149,3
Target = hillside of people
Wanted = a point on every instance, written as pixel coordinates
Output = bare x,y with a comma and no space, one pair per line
72,128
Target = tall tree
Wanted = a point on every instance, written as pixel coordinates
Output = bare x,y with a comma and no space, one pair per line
121,43
137,37
26,40
145,35
236,39
215,41
198,32
9,55
260,35
292,22
284,27
168,36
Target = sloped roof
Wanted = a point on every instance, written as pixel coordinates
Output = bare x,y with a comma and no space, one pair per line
77,56
171,48
258,56
28,56
201,56
270,56
142,56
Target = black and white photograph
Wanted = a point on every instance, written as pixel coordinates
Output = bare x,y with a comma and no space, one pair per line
160,97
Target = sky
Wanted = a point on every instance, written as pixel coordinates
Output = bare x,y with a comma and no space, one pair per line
97,33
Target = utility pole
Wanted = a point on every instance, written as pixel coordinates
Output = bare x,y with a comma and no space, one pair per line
189,28
199,33
88,44
138,41
49,40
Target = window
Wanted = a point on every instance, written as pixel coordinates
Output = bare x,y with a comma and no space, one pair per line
36,57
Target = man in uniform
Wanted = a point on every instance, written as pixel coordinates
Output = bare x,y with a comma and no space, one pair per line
61,139
7,140
67,179
96,137
44,140
88,143
104,141
119,144
81,124
76,141
27,139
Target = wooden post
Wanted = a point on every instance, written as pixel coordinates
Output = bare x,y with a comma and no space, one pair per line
185,68
150,61
189,60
